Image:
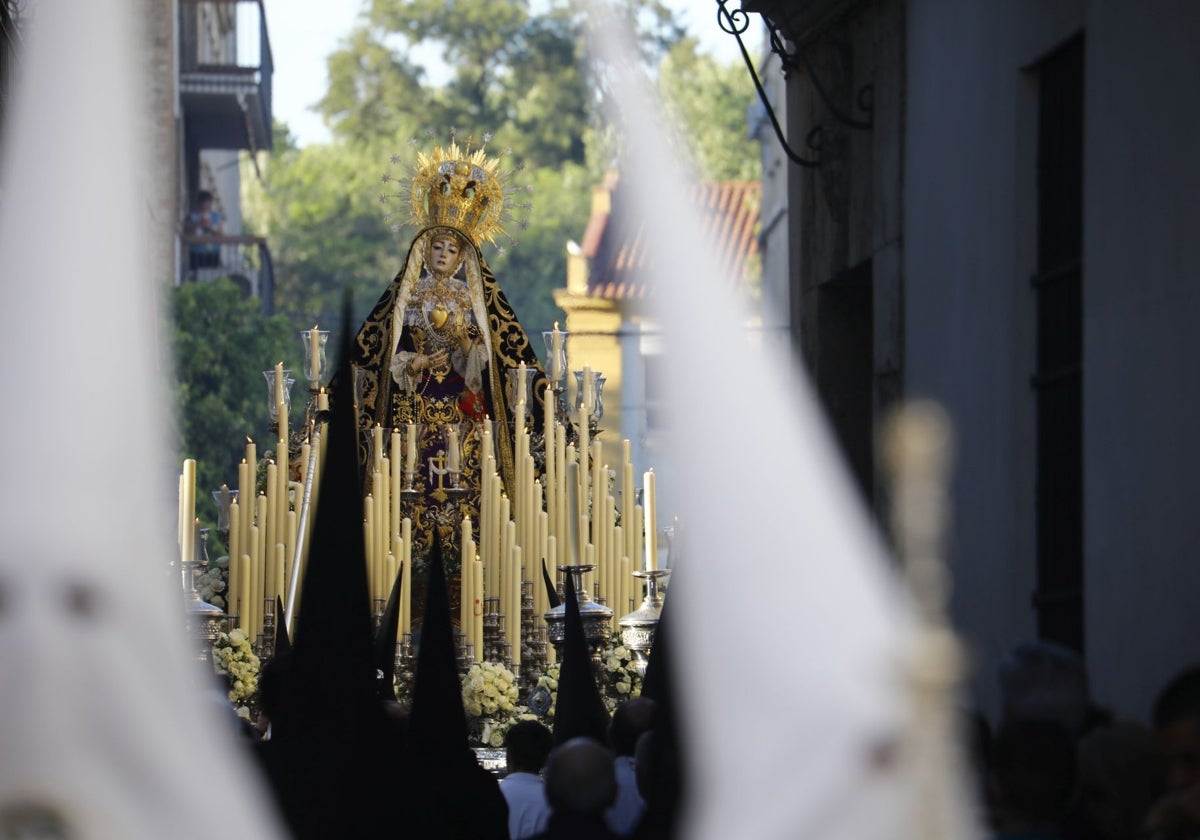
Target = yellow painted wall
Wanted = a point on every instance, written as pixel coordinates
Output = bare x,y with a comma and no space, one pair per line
593,325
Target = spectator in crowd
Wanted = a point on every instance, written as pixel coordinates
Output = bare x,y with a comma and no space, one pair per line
580,785
1120,777
1176,816
527,746
630,720
1032,780
1047,682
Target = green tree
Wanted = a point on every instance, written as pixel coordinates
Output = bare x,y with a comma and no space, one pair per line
531,271
319,208
222,344
513,73
708,101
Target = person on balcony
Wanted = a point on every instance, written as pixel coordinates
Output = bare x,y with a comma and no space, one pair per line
204,221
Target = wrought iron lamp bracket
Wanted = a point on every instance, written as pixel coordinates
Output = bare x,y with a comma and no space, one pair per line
735,22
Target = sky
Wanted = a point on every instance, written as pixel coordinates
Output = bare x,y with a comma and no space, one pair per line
304,32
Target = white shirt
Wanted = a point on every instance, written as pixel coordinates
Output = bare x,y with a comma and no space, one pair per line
623,816
528,810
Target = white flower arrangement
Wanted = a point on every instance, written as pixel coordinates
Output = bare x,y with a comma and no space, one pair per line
489,690
621,679
494,730
233,656
214,582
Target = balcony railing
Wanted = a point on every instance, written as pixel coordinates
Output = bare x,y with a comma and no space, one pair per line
225,71
244,259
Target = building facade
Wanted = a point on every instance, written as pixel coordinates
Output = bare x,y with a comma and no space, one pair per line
1002,218
208,74
609,307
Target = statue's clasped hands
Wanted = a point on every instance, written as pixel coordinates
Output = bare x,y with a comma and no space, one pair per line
422,362
462,334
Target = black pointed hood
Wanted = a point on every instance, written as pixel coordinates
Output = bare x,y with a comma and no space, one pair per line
283,641
659,685
551,591
656,683
437,720
333,662
385,643
579,710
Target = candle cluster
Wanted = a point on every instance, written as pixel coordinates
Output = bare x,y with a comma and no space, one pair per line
569,514
387,532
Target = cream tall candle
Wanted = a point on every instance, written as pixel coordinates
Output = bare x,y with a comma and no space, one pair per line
188,513
487,439
382,519
452,451
611,570
277,567
589,391
651,513
573,536
283,479
376,446
280,406
550,447
485,507
540,602
559,526
369,543
626,587
628,499
270,518
477,601
405,594
639,539
466,555
180,516
396,468
551,566
465,589
531,491
245,492
507,574
556,348
599,489
391,570
314,354
406,534
514,622
235,554
410,465
254,590
289,556
245,590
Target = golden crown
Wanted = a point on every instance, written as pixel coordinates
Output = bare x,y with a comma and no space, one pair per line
459,187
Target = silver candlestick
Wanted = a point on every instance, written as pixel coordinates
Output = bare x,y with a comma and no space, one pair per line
638,627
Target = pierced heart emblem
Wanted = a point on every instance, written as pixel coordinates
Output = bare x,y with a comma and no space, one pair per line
439,316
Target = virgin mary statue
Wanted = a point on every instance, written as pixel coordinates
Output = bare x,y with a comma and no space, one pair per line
437,348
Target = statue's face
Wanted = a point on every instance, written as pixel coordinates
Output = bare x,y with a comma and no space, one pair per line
444,255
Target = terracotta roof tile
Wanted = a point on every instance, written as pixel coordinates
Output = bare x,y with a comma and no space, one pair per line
615,244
